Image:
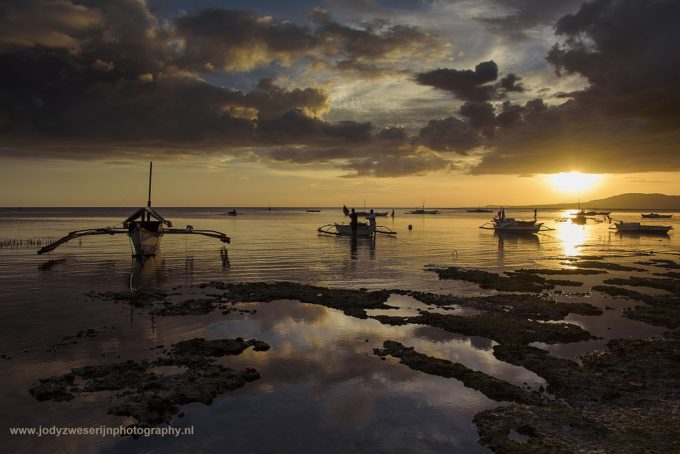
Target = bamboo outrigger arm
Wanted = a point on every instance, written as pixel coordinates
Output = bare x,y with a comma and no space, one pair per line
78,233
211,233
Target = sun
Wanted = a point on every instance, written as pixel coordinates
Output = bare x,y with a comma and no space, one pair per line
573,182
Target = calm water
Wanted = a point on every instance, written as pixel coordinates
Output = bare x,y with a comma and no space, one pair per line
321,389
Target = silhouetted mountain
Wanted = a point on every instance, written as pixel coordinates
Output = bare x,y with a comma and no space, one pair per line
630,201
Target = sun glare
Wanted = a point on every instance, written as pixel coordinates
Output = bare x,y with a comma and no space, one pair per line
573,182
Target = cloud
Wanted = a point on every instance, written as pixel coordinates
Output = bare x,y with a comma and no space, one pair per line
416,161
235,41
45,23
625,120
465,84
512,19
480,115
449,134
239,40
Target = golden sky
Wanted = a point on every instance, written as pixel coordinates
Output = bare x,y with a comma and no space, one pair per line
329,102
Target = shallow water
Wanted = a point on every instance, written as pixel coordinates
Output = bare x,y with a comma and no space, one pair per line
321,389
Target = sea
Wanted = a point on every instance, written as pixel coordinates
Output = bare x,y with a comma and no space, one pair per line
321,388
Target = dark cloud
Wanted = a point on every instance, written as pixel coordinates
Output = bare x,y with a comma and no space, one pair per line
511,82
480,115
272,101
626,119
469,85
393,133
416,162
449,134
515,18
465,84
232,41
239,40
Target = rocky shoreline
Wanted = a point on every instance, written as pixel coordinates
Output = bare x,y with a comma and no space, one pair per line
627,395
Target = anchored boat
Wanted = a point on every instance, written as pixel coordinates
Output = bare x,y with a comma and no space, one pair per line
657,216
363,229
512,225
636,227
145,228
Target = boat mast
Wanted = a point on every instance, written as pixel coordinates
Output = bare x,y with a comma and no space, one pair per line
150,171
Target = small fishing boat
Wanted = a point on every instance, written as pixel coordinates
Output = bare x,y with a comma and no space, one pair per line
580,218
512,225
657,216
479,210
423,211
232,212
636,227
144,227
363,229
597,213
313,211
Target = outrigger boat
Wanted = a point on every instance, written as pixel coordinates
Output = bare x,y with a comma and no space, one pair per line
144,227
657,216
423,211
636,227
363,229
512,225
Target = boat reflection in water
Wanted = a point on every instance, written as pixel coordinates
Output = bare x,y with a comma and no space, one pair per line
364,243
520,240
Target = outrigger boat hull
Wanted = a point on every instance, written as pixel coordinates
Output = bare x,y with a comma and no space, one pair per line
146,241
363,230
512,225
636,227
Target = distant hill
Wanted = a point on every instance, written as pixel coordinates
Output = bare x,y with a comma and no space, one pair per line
630,201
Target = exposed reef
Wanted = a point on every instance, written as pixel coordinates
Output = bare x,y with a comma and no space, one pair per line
153,398
517,281
489,386
501,328
623,399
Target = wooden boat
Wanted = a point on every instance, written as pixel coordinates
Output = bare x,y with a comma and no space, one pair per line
512,225
232,212
657,216
423,211
597,213
363,229
636,227
145,228
313,211
579,218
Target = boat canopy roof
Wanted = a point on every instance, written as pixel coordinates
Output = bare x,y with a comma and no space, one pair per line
144,210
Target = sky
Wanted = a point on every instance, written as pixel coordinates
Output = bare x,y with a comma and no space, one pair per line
330,102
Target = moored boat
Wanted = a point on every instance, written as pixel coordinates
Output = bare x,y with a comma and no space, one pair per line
636,227
363,229
513,225
144,227
657,216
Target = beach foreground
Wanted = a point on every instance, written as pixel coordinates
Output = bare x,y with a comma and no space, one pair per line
623,396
